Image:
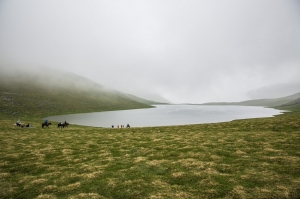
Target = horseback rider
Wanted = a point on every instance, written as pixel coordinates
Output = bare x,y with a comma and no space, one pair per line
66,124
18,122
46,122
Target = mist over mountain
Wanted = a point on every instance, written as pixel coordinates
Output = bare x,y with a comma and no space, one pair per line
291,100
48,77
44,92
185,51
54,78
275,91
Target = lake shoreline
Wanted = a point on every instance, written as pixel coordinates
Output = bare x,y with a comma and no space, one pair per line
167,115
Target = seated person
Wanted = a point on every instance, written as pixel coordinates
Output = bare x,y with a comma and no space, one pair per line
18,122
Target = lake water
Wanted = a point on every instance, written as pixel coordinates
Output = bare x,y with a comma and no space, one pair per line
167,115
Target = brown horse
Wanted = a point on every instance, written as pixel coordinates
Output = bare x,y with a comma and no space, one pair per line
46,125
63,125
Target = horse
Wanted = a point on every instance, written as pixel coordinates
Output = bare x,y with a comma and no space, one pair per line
66,124
63,125
46,124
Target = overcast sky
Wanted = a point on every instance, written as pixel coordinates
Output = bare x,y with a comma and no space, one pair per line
185,51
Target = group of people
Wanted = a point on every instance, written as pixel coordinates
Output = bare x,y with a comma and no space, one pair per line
19,124
63,125
121,126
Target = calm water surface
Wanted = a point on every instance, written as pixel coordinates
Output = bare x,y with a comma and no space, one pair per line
167,115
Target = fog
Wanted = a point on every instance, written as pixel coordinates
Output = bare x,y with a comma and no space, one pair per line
184,51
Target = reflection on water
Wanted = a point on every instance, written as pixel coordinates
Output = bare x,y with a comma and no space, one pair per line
167,115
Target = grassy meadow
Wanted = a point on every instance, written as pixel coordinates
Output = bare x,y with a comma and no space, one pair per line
255,158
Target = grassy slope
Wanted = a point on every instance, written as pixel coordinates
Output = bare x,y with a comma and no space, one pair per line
239,159
293,105
19,99
261,102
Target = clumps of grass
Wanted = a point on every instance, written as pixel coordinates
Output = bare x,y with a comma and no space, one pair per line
240,159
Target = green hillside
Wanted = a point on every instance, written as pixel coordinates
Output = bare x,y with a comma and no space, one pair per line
46,95
263,102
292,105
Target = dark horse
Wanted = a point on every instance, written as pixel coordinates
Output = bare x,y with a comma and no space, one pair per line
46,124
63,125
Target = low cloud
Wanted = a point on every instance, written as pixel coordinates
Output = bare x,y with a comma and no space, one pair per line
192,51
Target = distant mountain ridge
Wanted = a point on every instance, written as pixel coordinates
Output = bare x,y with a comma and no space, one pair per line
275,91
276,102
141,100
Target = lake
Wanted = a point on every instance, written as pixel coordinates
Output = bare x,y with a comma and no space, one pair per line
167,115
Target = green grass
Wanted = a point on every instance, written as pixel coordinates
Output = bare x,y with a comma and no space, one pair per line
255,158
239,159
